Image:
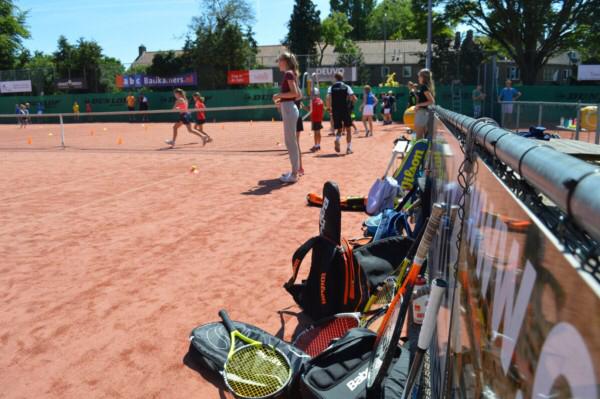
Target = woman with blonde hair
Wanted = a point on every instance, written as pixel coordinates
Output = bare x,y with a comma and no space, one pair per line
368,110
425,97
286,101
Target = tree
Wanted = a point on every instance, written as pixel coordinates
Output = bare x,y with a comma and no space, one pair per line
109,68
589,33
220,40
304,30
531,31
357,12
12,33
471,56
41,67
407,19
354,57
335,31
166,64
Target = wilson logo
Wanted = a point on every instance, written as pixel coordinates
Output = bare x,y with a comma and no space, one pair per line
323,280
357,381
409,176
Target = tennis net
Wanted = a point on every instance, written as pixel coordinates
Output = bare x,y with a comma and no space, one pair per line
122,130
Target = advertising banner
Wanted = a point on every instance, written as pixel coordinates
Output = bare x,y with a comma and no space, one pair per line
327,74
254,76
142,80
258,76
71,84
15,86
238,77
525,315
588,72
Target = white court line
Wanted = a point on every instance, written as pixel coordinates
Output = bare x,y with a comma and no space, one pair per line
91,203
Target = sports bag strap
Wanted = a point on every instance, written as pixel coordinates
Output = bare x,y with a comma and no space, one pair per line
298,257
350,275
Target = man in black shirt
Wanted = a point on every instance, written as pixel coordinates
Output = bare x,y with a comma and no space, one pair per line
338,96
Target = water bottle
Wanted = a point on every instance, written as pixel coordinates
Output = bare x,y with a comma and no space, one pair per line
419,300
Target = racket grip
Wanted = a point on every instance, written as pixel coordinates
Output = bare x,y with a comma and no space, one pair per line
226,321
435,300
432,226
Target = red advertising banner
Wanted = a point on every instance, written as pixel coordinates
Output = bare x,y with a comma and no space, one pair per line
238,77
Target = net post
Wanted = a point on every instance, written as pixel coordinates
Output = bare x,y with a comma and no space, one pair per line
540,110
578,125
597,139
62,131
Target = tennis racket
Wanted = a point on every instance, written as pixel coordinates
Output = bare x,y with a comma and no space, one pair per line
433,306
385,292
388,334
320,335
253,370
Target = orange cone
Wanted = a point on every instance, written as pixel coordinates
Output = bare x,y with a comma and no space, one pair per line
29,140
119,141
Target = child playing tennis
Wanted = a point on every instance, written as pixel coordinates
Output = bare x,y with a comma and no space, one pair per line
200,117
181,104
317,108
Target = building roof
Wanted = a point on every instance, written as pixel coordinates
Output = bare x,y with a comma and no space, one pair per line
396,52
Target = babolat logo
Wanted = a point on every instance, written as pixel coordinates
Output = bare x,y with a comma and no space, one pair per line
409,176
359,379
323,282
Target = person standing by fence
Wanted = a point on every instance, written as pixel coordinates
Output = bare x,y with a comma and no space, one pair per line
130,100
478,96
286,101
425,98
508,94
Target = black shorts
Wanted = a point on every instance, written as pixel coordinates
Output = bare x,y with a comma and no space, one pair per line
316,126
200,121
300,125
185,118
144,107
341,120
131,108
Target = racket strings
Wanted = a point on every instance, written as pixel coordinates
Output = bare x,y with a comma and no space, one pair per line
318,338
256,371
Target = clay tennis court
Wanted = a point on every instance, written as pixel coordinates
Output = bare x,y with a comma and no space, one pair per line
112,250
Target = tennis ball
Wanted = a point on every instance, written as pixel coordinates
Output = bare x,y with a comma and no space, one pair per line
105,129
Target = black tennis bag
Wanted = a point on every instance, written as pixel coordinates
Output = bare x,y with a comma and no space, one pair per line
340,372
341,279
209,345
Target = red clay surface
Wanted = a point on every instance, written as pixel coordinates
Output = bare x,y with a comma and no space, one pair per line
111,253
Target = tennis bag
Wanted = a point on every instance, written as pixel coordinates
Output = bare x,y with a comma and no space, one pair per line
340,372
340,278
209,346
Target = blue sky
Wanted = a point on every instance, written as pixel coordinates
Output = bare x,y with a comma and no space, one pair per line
120,26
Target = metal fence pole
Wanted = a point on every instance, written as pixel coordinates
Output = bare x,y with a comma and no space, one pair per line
597,141
62,131
540,110
578,124
518,118
502,116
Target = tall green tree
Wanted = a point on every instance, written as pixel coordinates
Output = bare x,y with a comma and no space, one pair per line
304,30
470,58
13,31
166,64
335,31
531,31
357,12
220,40
589,34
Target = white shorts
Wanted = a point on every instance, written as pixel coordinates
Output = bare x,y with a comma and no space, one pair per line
368,110
387,111
507,108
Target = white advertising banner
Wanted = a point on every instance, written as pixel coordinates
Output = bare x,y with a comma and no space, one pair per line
16,86
258,76
326,74
588,72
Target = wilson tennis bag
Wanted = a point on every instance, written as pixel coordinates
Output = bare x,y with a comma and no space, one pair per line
341,278
340,372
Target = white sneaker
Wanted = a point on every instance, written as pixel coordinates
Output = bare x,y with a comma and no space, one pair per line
170,142
288,178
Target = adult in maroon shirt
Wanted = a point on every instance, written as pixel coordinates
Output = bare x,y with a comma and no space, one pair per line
285,100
